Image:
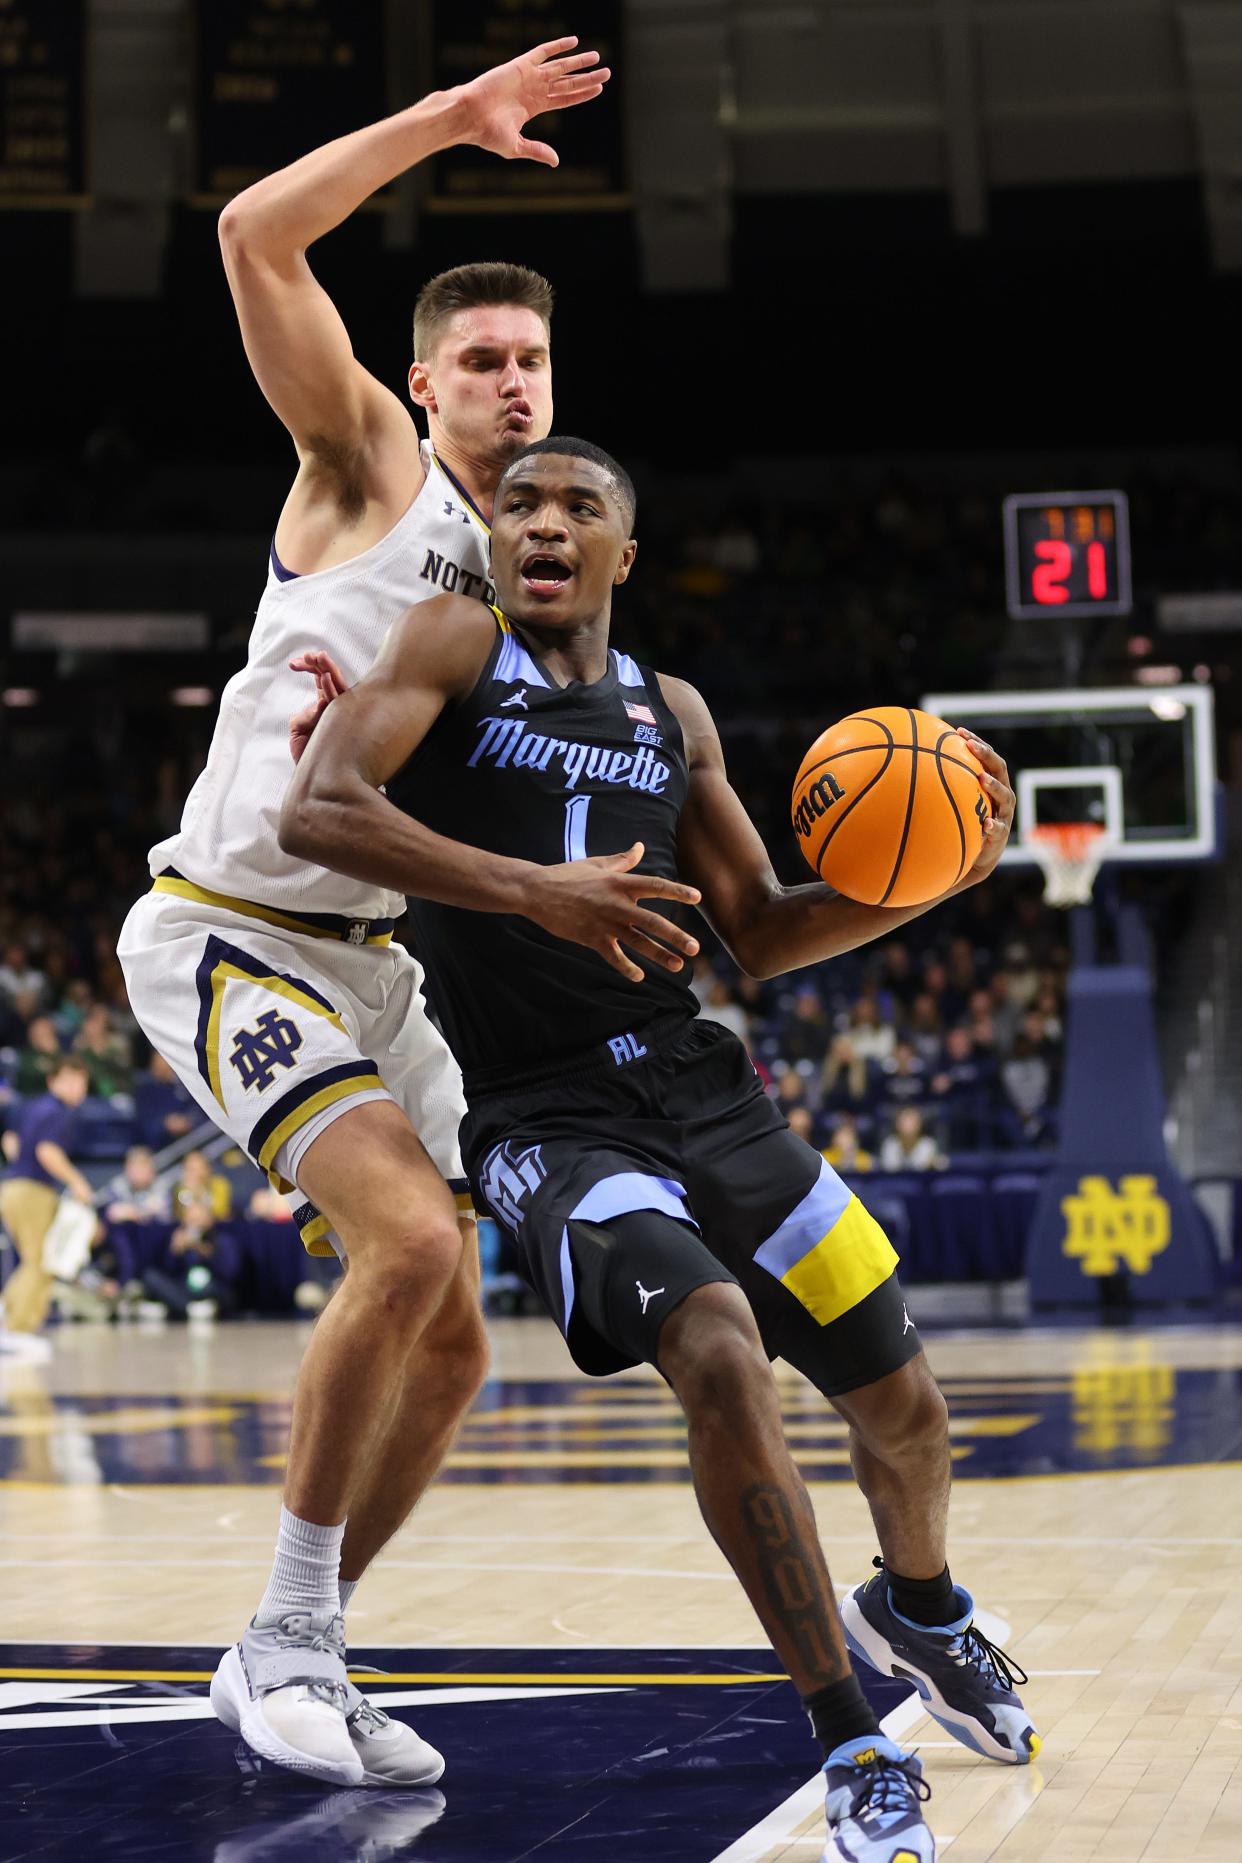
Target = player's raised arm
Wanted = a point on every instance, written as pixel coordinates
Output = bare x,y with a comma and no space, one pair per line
769,928
335,814
296,342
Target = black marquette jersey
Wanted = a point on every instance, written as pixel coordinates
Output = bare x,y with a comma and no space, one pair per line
545,773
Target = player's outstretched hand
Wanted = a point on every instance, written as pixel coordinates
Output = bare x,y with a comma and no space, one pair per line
595,902
995,780
499,103
329,685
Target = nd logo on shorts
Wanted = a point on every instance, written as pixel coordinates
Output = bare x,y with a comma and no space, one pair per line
272,1049
258,1052
268,1039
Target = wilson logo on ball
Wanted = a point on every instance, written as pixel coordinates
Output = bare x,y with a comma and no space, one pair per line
913,821
817,801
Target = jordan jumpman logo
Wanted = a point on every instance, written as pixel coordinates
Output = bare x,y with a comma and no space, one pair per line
646,1297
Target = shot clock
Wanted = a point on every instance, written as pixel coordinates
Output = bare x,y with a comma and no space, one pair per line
1067,553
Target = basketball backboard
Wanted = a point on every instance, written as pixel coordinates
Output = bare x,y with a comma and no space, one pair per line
1138,761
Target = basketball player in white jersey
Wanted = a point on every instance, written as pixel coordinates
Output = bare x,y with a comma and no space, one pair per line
272,985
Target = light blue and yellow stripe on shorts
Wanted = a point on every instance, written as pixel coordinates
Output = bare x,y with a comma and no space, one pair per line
829,1252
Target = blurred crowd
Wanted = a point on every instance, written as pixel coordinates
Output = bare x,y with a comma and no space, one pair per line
942,1040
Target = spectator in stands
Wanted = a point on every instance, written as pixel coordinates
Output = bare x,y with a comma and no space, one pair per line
904,1075
846,1080
105,1052
949,1000
1024,978
719,1005
897,980
959,1089
806,1032
1048,1005
844,1150
102,1290
924,1030
1006,1011
962,972
196,1278
197,1183
137,1196
801,1121
981,1026
38,1175
873,1037
791,1090
908,1146
165,1110
21,983
39,1059
1027,1079
73,1008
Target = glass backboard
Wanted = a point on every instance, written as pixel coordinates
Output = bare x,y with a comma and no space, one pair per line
1147,758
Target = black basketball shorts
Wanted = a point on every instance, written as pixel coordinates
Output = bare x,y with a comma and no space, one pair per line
671,1125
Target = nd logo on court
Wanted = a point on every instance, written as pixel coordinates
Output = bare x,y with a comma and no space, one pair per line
1108,1229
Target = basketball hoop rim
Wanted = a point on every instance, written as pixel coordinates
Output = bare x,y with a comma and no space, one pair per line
1065,836
1070,854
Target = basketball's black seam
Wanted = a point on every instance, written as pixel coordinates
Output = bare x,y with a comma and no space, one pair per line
847,812
957,813
854,750
905,832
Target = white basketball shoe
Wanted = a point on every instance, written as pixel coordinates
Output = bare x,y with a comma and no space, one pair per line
285,1690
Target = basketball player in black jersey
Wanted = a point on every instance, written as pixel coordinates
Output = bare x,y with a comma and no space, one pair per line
657,1198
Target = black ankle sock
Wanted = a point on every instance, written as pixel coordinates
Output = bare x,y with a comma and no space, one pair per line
839,1712
927,1601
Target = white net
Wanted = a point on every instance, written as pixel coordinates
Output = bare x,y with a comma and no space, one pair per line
1071,854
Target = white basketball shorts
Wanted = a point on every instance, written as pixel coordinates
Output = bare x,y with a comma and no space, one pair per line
277,1032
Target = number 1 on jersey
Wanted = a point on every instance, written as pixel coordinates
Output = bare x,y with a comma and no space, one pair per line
575,827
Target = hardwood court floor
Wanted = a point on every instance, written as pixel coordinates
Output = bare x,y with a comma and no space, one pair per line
1098,1516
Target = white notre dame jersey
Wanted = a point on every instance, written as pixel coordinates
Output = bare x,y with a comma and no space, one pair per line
227,842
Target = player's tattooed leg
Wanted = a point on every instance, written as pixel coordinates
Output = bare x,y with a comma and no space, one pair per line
781,1527
751,1495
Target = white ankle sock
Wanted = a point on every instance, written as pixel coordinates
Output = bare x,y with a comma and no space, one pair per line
347,1588
304,1576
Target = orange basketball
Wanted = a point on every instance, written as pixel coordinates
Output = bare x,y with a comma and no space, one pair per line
888,807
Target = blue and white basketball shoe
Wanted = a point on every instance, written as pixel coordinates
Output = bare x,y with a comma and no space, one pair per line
875,1804
966,1682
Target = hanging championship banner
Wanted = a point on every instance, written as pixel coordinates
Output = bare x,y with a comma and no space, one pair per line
42,103
472,35
276,78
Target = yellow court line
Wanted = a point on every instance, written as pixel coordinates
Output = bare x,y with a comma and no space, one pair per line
609,1458
131,1422
976,1479
824,1429
449,1678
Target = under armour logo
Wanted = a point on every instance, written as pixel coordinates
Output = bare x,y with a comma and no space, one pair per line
517,698
258,1052
905,1314
646,1297
452,510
